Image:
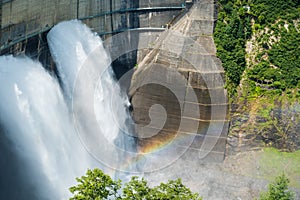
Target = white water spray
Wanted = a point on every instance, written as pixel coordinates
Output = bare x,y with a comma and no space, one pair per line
78,51
37,115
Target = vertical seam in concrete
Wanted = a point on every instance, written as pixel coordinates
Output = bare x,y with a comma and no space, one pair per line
185,92
10,19
77,7
111,16
0,21
39,46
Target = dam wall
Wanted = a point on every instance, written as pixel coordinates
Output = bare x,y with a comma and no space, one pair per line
23,19
192,55
24,24
182,74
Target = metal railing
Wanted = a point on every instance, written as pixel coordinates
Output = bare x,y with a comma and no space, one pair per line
133,29
148,9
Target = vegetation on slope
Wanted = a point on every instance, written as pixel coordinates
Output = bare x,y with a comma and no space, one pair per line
258,42
232,30
273,27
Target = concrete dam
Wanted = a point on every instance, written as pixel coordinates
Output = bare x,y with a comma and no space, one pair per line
163,56
25,24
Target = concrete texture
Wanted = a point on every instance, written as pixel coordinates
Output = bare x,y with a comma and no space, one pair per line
24,25
22,19
169,62
180,72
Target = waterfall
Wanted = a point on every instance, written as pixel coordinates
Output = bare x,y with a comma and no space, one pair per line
98,105
37,112
37,122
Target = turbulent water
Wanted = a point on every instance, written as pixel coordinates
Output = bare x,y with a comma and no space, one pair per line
44,122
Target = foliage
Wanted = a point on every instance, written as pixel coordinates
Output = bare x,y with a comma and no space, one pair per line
286,56
278,190
281,65
97,185
266,12
275,27
174,189
232,30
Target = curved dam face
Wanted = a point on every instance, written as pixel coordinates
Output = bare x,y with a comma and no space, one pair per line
182,74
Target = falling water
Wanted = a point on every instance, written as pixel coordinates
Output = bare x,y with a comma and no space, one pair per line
36,120
36,114
100,108
72,45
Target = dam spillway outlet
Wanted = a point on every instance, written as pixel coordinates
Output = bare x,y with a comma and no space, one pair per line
65,93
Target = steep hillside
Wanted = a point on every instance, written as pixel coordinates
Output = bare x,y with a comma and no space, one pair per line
258,42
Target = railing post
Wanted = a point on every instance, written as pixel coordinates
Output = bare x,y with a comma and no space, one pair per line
77,11
0,22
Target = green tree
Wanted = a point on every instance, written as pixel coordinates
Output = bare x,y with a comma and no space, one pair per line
136,189
174,189
97,185
235,27
278,190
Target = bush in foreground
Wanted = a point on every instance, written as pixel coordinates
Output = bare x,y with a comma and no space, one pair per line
96,185
278,190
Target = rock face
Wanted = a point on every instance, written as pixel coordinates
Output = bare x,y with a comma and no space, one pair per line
257,124
177,91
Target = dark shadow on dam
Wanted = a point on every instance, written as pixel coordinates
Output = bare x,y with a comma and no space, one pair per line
124,65
126,62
